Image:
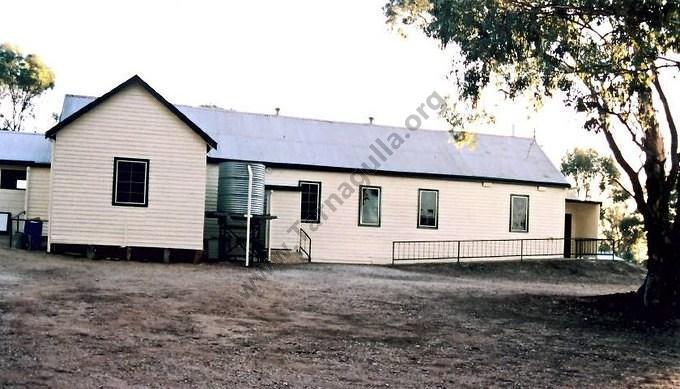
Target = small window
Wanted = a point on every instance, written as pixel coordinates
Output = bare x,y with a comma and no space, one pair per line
310,201
428,208
5,222
130,182
369,206
519,213
13,179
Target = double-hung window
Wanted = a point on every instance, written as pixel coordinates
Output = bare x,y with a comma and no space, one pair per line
369,206
428,208
130,182
310,201
519,213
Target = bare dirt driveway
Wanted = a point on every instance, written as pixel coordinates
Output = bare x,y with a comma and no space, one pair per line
70,322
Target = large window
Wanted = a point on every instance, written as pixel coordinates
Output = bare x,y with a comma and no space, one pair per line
130,182
519,213
428,208
12,179
310,201
369,206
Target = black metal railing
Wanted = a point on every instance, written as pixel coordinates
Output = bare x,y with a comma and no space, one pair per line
14,226
306,244
500,248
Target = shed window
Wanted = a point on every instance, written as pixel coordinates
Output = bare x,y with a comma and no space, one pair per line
310,201
428,208
519,213
12,179
130,182
369,206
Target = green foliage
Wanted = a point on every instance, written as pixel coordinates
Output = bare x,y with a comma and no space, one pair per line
602,56
22,79
605,58
626,230
543,46
587,168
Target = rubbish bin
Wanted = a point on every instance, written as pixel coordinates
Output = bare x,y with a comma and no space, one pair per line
33,232
19,240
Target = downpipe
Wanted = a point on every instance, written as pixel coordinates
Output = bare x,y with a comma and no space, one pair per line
248,215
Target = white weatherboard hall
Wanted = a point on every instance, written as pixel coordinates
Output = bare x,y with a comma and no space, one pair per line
131,171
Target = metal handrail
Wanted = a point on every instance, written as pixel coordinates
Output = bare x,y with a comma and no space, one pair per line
405,250
308,240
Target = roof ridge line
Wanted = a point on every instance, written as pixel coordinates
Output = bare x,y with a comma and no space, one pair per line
231,110
385,126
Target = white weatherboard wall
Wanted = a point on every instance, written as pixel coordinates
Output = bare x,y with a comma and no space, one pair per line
585,219
467,210
12,200
37,194
129,124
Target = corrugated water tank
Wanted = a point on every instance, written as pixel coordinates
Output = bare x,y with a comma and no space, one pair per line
232,188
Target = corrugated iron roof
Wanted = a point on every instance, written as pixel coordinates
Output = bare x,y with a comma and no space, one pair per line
25,148
284,140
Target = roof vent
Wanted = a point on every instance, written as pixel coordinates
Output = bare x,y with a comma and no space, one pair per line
370,119
277,109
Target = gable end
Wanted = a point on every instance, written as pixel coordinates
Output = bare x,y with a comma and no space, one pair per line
52,132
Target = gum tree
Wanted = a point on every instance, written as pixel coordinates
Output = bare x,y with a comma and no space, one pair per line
22,79
587,168
607,59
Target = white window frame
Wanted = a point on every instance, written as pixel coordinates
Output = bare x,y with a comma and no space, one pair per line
318,201
436,208
361,206
115,200
512,210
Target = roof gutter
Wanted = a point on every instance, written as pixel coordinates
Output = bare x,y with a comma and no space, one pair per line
23,163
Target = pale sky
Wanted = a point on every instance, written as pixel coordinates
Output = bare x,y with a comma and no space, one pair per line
317,59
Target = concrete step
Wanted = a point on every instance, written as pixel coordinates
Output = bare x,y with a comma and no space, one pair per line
288,256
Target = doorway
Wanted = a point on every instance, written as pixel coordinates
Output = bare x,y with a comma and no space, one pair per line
567,235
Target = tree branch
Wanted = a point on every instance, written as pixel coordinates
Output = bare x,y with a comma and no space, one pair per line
676,62
623,121
623,188
638,193
675,158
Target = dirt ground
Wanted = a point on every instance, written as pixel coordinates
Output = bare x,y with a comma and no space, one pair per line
70,322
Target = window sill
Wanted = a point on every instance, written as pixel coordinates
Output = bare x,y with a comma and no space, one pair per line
130,205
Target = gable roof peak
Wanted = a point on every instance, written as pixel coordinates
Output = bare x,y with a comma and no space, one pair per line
136,79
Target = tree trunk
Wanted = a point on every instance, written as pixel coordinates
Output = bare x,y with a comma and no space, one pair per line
660,292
